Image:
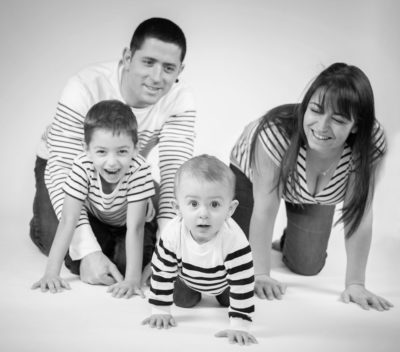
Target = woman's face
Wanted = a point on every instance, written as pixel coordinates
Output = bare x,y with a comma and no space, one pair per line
326,130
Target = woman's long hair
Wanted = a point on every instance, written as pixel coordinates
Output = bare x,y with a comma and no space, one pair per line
347,90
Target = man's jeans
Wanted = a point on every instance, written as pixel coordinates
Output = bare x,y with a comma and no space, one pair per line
305,239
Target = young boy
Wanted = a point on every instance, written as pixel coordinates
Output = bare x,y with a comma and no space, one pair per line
204,250
109,187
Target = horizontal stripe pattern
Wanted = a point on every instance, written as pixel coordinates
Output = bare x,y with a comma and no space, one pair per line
275,145
226,261
83,183
169,124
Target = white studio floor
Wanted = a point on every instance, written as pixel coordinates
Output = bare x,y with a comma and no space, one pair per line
309,318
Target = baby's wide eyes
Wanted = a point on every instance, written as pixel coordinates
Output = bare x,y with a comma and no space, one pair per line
194,203
215,204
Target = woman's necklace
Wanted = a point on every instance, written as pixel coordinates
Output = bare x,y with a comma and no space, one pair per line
324,173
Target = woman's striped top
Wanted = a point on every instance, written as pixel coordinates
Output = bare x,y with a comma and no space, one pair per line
275,145
225,261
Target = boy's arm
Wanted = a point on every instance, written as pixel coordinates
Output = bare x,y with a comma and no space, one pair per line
165,268
65,230
239,266
134,240
70,215
135,220
240,276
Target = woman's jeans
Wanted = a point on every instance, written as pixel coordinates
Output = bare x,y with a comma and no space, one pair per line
111,239
305,239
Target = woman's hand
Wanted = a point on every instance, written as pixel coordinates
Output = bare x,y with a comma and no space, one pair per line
268,288
357,293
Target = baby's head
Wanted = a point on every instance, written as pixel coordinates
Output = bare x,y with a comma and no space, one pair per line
204,192
110,130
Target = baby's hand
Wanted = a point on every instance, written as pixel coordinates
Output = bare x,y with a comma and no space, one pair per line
53,283
160,321
237,336
126,288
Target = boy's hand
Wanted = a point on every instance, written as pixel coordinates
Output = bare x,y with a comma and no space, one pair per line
237,336
268,288
53,283
126,288
160,321
365,299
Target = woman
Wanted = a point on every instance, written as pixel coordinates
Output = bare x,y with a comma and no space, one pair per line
316,154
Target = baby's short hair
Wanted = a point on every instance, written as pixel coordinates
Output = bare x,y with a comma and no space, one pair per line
111,115
206,168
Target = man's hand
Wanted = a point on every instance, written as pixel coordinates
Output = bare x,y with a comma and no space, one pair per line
146,275
97,269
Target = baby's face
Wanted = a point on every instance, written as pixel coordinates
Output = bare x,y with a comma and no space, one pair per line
111,154
204,206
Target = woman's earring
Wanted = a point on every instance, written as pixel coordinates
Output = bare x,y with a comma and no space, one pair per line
177,80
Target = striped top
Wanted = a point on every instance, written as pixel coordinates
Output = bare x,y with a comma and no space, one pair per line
169,124
275,145
83,183
211,267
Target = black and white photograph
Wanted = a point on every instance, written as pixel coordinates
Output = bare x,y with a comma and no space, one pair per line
200,175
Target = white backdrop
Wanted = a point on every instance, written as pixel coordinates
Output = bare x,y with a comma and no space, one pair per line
244,57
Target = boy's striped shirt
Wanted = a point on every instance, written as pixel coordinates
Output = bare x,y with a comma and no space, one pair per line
83,183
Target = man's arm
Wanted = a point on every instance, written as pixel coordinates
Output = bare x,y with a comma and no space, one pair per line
176,145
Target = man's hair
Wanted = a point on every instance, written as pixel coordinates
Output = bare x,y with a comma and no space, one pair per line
161,29
110,115
206,168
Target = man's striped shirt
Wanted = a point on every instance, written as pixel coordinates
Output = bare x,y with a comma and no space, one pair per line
169,124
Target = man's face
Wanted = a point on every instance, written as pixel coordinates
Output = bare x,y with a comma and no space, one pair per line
150,72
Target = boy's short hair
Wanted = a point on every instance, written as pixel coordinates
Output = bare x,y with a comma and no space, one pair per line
161,29
111,115
207,168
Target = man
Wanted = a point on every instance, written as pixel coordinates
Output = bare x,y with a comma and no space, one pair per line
146,78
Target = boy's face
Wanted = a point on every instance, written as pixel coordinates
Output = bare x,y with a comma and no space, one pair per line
111,154
204,206
150,72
